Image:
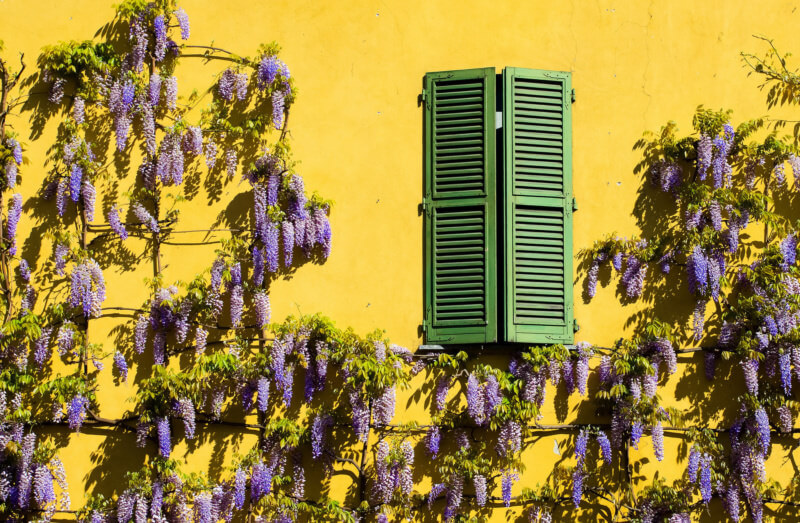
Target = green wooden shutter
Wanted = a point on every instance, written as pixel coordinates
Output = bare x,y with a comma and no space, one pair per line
537,206
460,207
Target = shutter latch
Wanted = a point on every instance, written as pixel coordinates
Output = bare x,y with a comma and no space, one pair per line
575,326
573,95
574,205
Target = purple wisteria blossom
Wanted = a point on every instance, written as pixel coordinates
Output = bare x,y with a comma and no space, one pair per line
637,429
241,86
591,278
479,481
24,270
183,22
384,406
87,288
121,365
76,412
287,229
11,174
268,70
704,152
239,488
171,92
271,252
788,249
507,484
78,110
185,410
116,224
226,84
658,441
164,443
145,217
706,488
278,108
605,447
433,440
475,400
14,214
160,29
154,89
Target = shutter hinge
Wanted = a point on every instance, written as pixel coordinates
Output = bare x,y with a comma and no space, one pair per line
574,205
427,207
423,98
426,322
575,326
573,95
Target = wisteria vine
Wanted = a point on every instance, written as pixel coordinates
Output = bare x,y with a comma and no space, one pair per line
313,392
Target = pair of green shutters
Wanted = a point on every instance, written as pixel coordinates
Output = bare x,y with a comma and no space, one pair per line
498,207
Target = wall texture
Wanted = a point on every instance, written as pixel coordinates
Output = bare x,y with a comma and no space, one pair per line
356,130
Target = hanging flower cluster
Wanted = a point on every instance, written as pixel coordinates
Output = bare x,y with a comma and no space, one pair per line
393,470
629,380
285,219
580,472
87,288
29,474
167,315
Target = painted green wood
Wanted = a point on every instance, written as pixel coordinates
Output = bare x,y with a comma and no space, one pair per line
460,207
537,206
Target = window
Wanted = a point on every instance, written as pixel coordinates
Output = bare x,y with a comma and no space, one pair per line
498,206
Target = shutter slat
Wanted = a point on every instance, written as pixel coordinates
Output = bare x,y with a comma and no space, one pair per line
465,153
542,270
460,115
541,277
450,158
537,148
462,172
461,101
458,135
458,124
461,142
458,89
458,105
540,284
553,106
463,225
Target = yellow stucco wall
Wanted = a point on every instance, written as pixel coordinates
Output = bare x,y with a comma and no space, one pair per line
357,131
